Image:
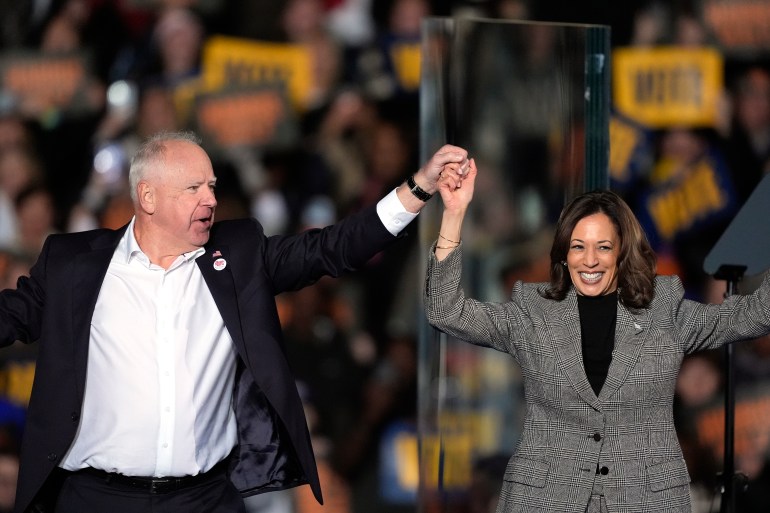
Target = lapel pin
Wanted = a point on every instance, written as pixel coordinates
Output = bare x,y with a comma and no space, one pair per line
219,264
216,254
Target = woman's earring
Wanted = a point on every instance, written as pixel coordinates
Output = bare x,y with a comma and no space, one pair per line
564,263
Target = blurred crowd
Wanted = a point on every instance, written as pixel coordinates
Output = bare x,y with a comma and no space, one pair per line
736,151
353,341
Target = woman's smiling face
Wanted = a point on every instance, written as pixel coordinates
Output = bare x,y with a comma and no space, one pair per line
592,258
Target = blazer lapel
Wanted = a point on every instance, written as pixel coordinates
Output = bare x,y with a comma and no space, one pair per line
567,347
630,333
89,270
219,279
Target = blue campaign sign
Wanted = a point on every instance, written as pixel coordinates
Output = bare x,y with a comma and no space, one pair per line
631,152
700,195
399,467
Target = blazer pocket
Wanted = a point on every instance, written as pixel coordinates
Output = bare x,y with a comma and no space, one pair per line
528,472
668,474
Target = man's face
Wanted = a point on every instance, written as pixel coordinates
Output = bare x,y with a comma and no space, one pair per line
183,184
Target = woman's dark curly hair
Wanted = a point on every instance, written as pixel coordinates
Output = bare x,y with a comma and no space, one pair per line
636,260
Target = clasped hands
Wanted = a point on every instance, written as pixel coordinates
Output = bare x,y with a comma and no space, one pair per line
456,183
450,171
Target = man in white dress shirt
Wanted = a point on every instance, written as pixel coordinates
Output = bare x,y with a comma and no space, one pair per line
161,382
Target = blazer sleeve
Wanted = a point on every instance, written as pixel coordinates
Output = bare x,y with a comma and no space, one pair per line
21,309
295,261
498,325
708,326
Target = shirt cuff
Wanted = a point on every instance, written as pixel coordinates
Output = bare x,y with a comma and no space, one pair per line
393,214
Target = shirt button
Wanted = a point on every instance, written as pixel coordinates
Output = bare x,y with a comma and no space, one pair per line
165,446
597,437
604,471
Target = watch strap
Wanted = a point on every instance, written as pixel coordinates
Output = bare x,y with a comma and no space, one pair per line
415,189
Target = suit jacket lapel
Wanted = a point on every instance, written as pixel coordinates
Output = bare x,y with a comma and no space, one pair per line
630,332
567,347
220,282
89,271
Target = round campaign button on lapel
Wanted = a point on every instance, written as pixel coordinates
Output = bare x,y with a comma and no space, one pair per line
219,264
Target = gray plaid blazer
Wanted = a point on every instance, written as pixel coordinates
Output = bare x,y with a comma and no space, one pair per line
621,444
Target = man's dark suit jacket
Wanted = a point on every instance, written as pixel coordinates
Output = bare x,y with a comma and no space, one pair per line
55,305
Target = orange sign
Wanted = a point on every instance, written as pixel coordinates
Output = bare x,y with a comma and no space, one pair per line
739,24
752,431
256,117
44,82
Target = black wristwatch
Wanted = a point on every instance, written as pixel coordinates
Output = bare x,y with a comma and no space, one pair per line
417,190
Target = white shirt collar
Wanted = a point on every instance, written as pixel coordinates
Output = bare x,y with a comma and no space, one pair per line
128,248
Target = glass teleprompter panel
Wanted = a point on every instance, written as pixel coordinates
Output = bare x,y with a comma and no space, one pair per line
530,102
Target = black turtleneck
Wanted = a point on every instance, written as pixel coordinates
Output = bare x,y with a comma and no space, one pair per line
597,333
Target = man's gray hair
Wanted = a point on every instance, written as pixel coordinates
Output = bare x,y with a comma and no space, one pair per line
152,150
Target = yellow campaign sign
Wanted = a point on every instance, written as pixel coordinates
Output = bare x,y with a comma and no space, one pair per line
406,62
446,457
448,460
16,381
407,461
668,86
232,62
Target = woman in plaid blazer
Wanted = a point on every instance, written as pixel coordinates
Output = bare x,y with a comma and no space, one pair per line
599,347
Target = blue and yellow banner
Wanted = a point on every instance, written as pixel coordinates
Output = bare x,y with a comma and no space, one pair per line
698,197
631,153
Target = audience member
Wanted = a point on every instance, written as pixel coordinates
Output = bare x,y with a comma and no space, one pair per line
748,143
303,22
19,169
35,213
